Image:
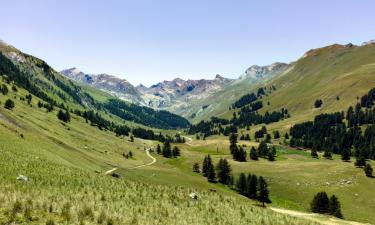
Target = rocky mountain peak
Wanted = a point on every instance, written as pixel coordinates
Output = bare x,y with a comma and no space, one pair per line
259,72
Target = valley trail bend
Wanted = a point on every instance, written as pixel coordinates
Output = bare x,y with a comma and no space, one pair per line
135,167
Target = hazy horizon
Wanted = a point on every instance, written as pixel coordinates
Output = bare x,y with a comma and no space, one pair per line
187,39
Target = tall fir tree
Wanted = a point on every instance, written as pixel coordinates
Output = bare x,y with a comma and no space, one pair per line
223,171
211,175
253,153
334,207
263,191
252,187
241,184
320,203
167,152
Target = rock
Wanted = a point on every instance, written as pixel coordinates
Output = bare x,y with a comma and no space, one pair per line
23,178
193,195
115,175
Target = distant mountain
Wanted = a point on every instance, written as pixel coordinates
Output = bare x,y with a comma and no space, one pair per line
262,72
118,87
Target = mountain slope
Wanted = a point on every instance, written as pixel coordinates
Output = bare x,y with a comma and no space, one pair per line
41,80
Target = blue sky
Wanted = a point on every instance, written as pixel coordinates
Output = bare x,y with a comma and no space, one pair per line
150,41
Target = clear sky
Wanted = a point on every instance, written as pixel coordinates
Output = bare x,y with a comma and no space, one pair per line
150,41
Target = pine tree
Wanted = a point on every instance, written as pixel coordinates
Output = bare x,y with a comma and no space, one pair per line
211,175
263,149
233,143
272,154
368,170
320,203
4,89
327,154
263,191
268,138
360,161
223,171
286,136
335,207
253,154
345,154
241,184
167,152
196,168
207,163
158,149
252,187
176,151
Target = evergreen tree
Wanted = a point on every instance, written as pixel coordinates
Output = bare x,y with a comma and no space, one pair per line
211,175
368,170
276,134
9,104
233,143
223,171
207,163
252,187
286,136
196,168
4,89
360,161
335,207
176,151
345,154
320,203
241,184
263,149
158,149
318,103
272,154
327,154
167,152
253,153
263,191
64,116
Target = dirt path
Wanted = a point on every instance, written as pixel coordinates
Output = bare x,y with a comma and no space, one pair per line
135,167
316,217
147,164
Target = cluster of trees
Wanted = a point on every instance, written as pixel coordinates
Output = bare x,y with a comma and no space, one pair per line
245,100
330,133
247,117
324,205
145,115
167,151
63,116
222,173
254,188
4,89
239,153
128,155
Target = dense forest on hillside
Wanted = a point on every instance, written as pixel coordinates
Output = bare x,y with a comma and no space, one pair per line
247,116
350,133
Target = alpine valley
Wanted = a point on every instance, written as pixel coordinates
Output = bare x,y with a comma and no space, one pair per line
286,143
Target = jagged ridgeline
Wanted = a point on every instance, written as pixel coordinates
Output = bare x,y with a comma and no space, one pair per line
37,77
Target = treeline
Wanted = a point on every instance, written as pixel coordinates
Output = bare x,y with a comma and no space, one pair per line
167,151
341,133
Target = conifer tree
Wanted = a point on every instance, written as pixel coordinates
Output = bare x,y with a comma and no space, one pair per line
360,161
320,203
345,154
167,152
252,186
9,104
327,154
241,184
368,170
263,191
158,149
335,207
196,168
207,163
211,175
223,171
263,149
314,153
253,154
176,151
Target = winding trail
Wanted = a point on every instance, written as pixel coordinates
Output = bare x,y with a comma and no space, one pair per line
135,167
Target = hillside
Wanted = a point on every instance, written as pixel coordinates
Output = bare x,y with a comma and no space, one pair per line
336,74
41,80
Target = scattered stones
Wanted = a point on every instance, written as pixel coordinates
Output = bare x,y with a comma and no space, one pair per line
115,175
193,196
22,178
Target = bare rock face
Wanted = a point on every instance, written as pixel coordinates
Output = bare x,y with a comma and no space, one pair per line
261,72
179,92
108,83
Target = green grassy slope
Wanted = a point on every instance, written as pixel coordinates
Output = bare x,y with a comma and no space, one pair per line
325,73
